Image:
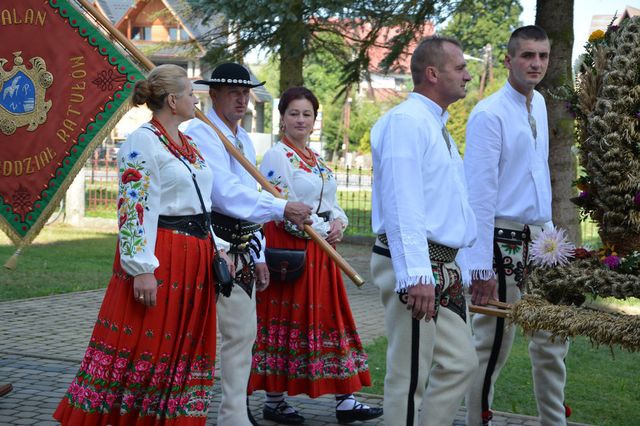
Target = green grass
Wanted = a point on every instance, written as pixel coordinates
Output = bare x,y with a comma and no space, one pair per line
60,260
603,385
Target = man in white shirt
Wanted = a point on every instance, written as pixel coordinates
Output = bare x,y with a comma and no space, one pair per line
238,206
422,217
506,164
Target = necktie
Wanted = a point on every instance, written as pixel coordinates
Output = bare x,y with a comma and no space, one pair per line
447,138
532,124
239,144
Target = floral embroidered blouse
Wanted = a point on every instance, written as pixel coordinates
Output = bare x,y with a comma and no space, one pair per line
153,182
298,181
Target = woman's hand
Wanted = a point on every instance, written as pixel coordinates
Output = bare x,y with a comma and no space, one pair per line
230,265
335,231
145,287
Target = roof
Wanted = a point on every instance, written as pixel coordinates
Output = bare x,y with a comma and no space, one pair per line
379,51
601,22
114,9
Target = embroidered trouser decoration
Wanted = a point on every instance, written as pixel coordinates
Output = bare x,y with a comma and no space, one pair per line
493,337
429,364
245,269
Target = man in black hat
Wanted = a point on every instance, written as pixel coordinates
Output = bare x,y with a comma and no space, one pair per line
238,209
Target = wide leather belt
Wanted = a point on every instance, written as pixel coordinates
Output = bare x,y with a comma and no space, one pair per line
504,234
437,252
232,230
193,225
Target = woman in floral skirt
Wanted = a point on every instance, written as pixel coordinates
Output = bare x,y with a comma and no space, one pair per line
151,355
307,339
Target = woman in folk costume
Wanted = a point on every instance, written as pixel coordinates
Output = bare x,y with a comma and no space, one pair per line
151,356
307,339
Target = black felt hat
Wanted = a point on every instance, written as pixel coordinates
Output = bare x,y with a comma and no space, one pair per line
232,74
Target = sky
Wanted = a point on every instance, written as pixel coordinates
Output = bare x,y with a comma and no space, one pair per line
582,12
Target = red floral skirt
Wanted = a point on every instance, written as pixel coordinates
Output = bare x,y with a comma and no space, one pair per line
153,365
307,339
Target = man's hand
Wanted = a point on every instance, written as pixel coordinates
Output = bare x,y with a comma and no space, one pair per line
421,301
262,276
298,213
335,231
145,287
483,290
232,268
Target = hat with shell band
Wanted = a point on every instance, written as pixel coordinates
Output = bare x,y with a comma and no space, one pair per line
232,74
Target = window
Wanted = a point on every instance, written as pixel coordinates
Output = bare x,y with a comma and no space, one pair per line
141,33
173,34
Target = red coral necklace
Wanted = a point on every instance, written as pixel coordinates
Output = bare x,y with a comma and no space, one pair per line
186,150
309,157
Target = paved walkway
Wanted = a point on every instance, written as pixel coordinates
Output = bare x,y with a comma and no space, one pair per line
43,341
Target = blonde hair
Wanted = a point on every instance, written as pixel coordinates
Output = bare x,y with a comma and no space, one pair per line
161,81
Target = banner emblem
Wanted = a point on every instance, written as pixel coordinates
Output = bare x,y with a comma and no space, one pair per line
22,94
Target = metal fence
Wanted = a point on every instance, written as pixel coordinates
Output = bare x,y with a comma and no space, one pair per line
354,195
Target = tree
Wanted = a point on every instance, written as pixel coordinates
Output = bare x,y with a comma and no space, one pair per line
481,22
295,28
556,17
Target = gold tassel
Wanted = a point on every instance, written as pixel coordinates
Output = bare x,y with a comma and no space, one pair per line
12,262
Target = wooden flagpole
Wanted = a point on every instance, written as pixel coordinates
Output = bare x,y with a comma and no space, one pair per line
233,151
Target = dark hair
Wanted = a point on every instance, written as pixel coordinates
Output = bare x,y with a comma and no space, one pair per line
161,81
295,93
428,53
529,32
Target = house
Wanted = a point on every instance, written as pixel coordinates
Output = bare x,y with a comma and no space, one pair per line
394,84
601,22
167,32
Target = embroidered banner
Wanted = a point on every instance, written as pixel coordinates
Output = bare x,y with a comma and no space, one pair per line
63,85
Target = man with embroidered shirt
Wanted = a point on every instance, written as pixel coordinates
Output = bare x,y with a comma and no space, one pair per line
506,164
238,209
422,217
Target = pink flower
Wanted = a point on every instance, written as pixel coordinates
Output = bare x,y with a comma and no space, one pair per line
146,403
611,261
142,366
271,362
129,400
350,365
181,366
172,405
120,364
106,360
199,406
111,398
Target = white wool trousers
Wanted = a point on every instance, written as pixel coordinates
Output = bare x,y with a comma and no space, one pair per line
238,327
493,338
429,364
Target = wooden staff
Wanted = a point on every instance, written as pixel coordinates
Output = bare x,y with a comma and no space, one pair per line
249,167
495,309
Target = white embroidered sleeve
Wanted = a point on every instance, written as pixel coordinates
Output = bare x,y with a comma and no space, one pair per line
139,191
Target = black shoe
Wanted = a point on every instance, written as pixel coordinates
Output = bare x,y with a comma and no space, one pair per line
358,413
279,414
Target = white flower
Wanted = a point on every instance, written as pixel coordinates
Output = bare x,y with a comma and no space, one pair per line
551,248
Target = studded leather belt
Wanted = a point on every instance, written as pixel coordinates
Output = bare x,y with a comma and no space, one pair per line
235,231
522,235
